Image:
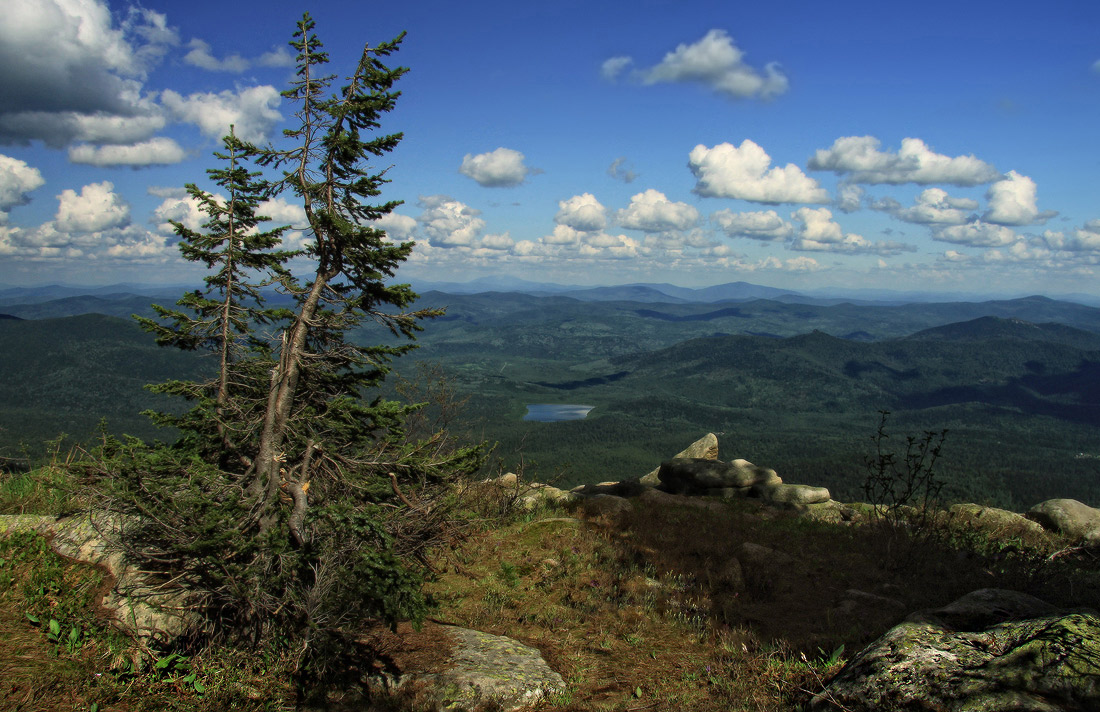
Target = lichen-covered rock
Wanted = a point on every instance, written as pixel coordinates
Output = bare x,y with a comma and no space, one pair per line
1066,516
998,522
481,668
832,512
540,494
989,651
794,496
135,604
705,448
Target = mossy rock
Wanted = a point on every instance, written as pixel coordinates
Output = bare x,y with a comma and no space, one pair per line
989,651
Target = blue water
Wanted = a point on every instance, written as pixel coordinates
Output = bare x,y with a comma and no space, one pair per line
547,413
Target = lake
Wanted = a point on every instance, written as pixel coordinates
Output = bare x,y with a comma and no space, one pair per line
549,413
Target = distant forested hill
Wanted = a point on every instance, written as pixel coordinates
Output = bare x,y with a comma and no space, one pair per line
791,385
63,375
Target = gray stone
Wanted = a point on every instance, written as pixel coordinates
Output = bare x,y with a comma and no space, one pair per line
832,512
541,494
699,476
705,448
605,504
998,522
991,650
136,605
480,669
794,496
1066,516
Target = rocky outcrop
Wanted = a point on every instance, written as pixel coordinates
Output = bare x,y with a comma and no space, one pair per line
1068,516
739,478
991,650
695,475
135,604
705,448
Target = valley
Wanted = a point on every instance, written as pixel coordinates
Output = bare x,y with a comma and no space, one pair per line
791,382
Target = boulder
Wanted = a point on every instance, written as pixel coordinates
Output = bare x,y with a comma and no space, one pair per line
540,494
999,522
705,448
605,504
1066,516
791,496
626,488
988,651
695,475
463,668
665,499
832,512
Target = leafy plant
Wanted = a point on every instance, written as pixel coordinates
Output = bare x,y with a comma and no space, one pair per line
904,488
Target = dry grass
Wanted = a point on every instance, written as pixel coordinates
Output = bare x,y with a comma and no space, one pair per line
666,606
663,606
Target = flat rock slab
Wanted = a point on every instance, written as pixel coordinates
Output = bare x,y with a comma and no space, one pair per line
465,668
134,604
989,651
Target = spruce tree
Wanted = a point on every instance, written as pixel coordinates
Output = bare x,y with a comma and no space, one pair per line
223,318
295,502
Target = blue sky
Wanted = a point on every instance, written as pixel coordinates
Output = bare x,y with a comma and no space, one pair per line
932,146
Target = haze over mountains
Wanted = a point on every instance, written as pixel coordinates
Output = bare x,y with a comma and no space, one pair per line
794,381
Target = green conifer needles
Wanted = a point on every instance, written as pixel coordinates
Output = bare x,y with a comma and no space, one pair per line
298,504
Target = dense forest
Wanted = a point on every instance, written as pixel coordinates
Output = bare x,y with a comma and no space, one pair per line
793,385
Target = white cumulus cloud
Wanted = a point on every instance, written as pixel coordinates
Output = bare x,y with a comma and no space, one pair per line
763,225
398,227
818,232
1012,201
860,158
156,151
1082,239
976,234
202,56
17,178
97,207
582,212
932,207
67,60
448,222
502,241
716,62
253,111
849,197
182,209
502,168
652,211
743,172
